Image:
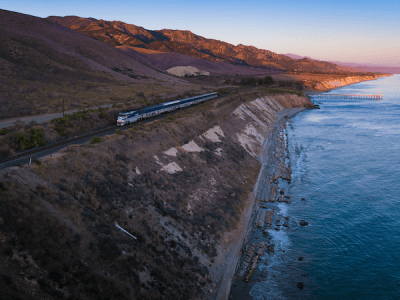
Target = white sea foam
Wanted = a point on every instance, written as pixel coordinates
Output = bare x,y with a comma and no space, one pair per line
280,239
299,165
270,287
283,209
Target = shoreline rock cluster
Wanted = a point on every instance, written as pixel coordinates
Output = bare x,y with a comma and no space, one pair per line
276,170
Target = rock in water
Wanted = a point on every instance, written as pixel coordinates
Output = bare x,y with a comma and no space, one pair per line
300,285
303,223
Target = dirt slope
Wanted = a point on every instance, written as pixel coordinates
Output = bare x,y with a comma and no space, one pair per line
166,60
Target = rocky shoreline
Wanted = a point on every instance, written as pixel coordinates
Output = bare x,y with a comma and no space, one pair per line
274,178
254,239
271,191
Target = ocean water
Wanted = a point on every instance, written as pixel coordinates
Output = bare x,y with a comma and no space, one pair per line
345,161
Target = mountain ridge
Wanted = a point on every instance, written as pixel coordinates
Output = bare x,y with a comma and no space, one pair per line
118,33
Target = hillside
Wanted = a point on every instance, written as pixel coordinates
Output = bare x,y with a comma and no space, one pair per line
118,33
42,63
165,60
181,187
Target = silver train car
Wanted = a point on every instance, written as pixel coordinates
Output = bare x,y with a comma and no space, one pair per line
133,116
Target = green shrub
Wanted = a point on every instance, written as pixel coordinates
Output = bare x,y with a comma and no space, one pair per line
61,130
268,80
103,114
35,140
37,137
82,114
64,121
24,141
3,131
248,81
95,140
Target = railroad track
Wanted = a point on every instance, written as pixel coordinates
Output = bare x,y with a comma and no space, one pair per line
110,129
50,146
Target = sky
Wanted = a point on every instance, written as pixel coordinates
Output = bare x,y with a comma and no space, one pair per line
365,32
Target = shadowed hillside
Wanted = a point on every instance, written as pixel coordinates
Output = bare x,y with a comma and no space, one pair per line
42,63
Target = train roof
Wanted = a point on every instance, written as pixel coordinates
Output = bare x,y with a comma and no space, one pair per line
198,96
127,112
172,102
163,104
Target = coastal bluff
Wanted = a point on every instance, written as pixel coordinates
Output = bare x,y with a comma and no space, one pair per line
182,186
339,82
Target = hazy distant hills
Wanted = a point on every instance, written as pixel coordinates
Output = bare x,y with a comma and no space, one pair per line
118,33
371,68
361,67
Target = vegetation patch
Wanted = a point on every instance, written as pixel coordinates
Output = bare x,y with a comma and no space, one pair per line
96,140
35,139
3,131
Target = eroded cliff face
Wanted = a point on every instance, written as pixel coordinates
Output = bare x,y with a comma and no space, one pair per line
179,185
335,83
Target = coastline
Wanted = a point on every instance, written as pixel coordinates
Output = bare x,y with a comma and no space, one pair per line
312,156
275,151
272,166
335,83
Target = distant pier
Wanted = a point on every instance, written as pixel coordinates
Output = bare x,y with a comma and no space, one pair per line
346,96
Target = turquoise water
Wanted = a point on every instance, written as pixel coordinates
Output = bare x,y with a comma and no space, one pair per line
345,161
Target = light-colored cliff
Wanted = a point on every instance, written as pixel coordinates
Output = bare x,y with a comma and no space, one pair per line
339,82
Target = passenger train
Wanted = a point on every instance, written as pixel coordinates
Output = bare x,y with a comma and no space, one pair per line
133,116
